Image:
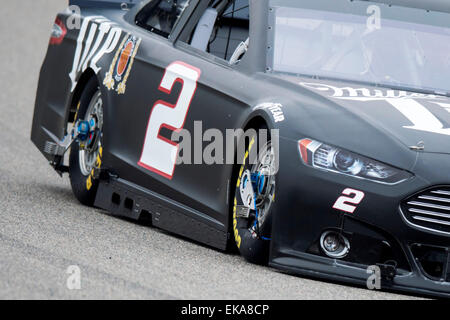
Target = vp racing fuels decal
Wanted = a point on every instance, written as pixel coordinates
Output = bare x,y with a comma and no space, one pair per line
121,66
98,36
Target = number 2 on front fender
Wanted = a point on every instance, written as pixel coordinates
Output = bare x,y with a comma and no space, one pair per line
160,154
349,201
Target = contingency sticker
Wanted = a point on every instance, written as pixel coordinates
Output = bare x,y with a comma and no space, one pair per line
119,71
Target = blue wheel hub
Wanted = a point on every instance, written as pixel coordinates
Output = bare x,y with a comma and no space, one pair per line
258,182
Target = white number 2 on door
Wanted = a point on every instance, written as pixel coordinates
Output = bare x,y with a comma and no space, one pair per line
160,154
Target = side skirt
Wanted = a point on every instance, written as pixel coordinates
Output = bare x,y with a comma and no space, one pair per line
123,198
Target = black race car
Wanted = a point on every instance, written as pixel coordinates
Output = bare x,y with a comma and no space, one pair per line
352,182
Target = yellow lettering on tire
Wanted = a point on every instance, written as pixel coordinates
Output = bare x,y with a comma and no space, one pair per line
75,118
89,183
237,237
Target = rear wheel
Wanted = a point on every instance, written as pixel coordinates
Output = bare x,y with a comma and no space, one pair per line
85,158
253,199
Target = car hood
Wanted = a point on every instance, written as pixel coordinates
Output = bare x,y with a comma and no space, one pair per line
415,119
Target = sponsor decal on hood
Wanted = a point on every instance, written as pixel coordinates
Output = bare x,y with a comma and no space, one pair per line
366,94
409,116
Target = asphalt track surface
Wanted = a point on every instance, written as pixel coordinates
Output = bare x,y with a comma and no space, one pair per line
44,230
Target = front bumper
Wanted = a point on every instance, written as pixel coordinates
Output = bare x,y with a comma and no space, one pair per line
341,271
378,234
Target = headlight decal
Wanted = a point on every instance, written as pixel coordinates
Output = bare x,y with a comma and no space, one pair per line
322,156
304,152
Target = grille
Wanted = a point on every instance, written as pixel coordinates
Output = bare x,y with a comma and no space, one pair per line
429,209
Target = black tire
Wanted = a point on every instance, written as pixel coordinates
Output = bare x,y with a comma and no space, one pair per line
84,187
253,249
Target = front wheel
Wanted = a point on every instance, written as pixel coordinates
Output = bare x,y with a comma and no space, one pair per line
253,199
85,158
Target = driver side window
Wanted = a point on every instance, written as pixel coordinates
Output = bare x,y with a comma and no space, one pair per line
223,30
161,16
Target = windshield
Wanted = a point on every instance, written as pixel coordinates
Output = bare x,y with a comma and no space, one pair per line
364,46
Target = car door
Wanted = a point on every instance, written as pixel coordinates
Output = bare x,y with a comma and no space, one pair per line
175,87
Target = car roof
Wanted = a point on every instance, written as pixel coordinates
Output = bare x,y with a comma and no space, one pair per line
432,5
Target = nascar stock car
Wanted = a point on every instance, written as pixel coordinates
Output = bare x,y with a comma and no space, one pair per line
358,182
